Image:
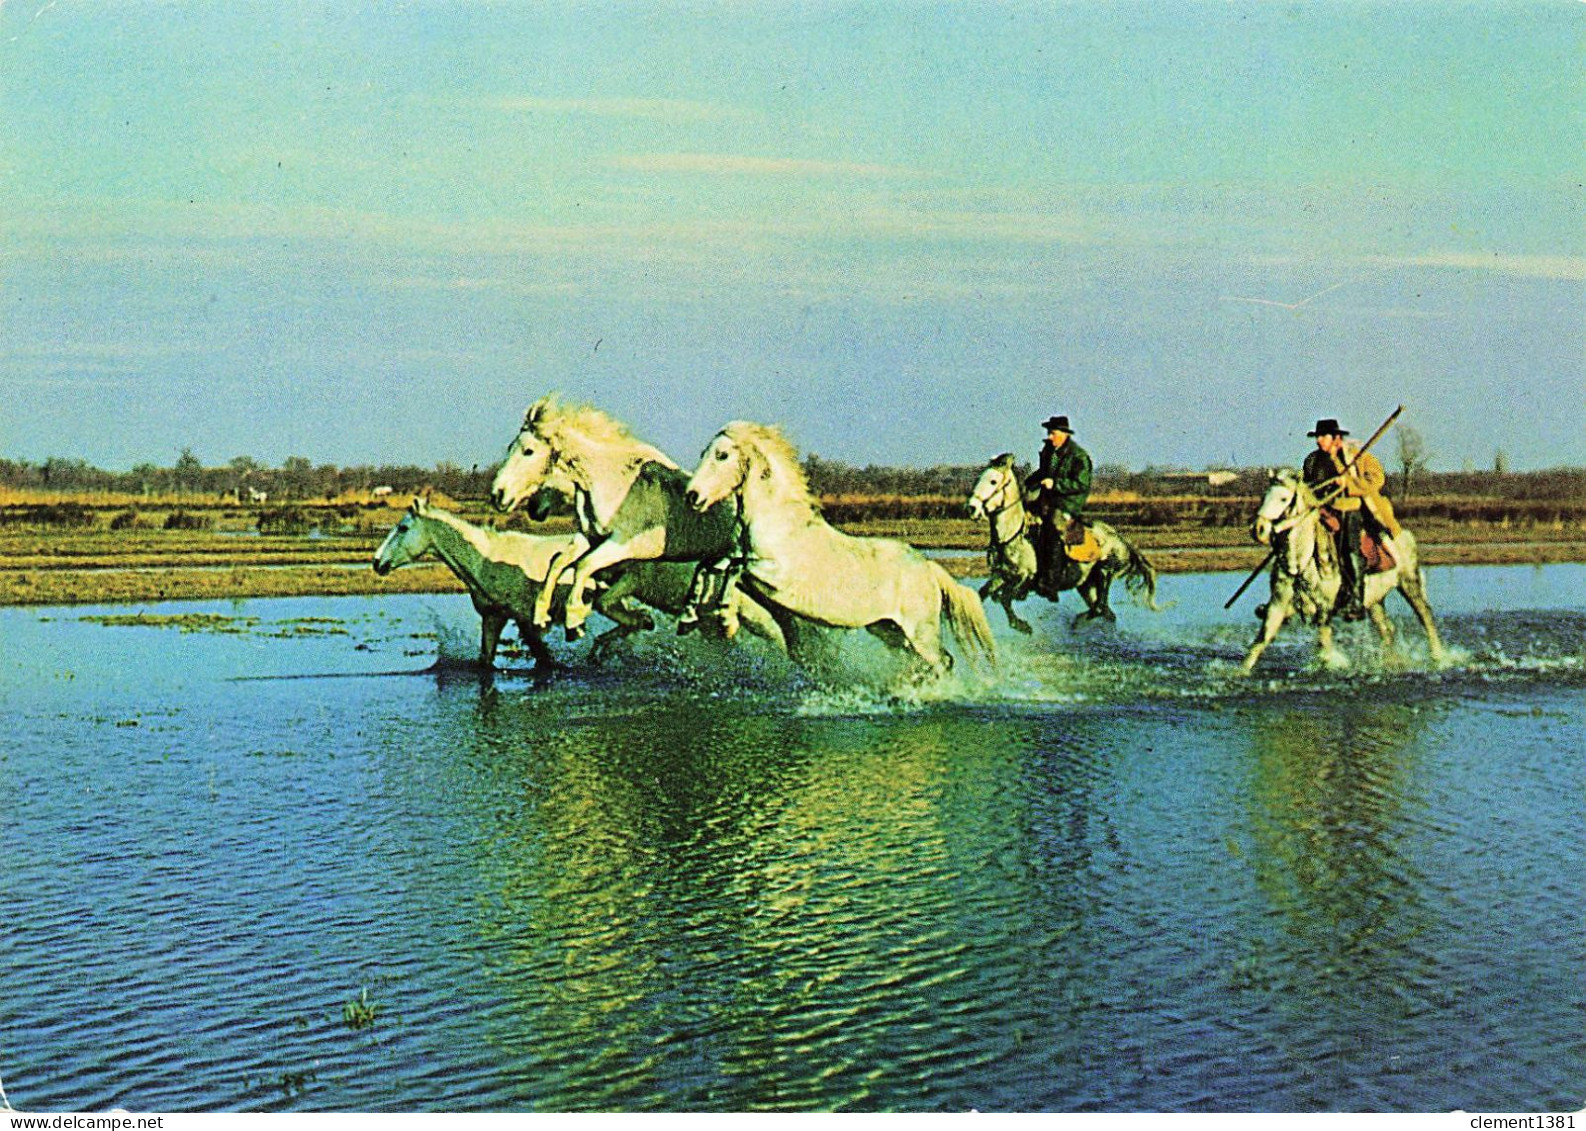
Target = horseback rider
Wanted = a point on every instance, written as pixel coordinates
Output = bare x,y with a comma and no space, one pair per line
1352,481
1056,493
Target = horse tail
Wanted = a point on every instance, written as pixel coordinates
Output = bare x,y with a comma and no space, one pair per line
965,615
1140,576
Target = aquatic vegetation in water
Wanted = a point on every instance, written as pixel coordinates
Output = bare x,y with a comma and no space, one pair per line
218,622
186,622
360,1013
309,626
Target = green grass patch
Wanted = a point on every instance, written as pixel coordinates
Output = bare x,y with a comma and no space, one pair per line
186,622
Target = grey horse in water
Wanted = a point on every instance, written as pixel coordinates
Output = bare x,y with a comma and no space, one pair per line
998,498
1306,576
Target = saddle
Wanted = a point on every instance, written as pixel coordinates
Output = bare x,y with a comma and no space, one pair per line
1379,559
1080,543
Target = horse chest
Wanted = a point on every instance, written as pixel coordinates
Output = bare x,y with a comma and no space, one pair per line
771,573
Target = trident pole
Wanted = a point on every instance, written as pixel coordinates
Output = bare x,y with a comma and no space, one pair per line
1375,436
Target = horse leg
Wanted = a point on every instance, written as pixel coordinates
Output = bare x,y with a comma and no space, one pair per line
919,651
925,640
490,627
531,639
1272,619
1005,592
560,561
1412,585
608,553
1384,626
757,621
1019,623
1092,588
1331,656
627,619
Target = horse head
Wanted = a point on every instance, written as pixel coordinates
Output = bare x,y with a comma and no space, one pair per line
723,468
530,459
407,541
1284,489
996,490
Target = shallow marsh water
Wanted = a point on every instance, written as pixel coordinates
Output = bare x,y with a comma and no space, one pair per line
1113,877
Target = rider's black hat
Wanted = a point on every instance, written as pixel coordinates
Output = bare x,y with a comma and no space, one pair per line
1057,424
1327,427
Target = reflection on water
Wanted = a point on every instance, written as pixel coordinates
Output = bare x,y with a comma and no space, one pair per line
1333,798
1117,880
1328,792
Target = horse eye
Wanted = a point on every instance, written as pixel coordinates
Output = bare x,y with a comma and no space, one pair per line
721,455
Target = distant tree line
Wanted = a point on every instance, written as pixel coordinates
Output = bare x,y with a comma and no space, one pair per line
299,479
296,479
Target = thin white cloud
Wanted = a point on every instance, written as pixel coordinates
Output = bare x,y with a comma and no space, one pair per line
648,109
723,164
1569,267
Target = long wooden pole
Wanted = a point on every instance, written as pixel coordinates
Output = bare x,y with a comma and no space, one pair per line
1375,436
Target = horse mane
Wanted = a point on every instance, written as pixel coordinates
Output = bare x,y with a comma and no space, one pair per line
552,418
1295,477
1004,460
779,459
577,431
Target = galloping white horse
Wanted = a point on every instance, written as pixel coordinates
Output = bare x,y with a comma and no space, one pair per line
627,498
998,498
1306,576
505,574
797,565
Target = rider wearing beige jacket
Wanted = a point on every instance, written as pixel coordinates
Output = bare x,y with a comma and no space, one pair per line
1352,482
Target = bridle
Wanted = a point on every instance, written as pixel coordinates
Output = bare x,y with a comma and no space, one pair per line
1007,493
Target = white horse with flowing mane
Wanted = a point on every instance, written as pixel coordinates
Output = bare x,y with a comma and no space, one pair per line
799,566
998,498
627,502
505,572
1306,576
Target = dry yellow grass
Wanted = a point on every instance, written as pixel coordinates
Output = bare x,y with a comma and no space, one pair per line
50,565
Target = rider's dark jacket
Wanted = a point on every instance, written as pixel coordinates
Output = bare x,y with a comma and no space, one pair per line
1068,468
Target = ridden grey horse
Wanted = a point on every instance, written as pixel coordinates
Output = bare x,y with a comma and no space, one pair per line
1306,575
998,498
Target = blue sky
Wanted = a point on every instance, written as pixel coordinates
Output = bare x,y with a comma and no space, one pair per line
374,232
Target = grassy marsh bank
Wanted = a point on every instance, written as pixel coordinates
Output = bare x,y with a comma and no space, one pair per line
218,552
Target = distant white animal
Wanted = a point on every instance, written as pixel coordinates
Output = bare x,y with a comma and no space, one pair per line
381,492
